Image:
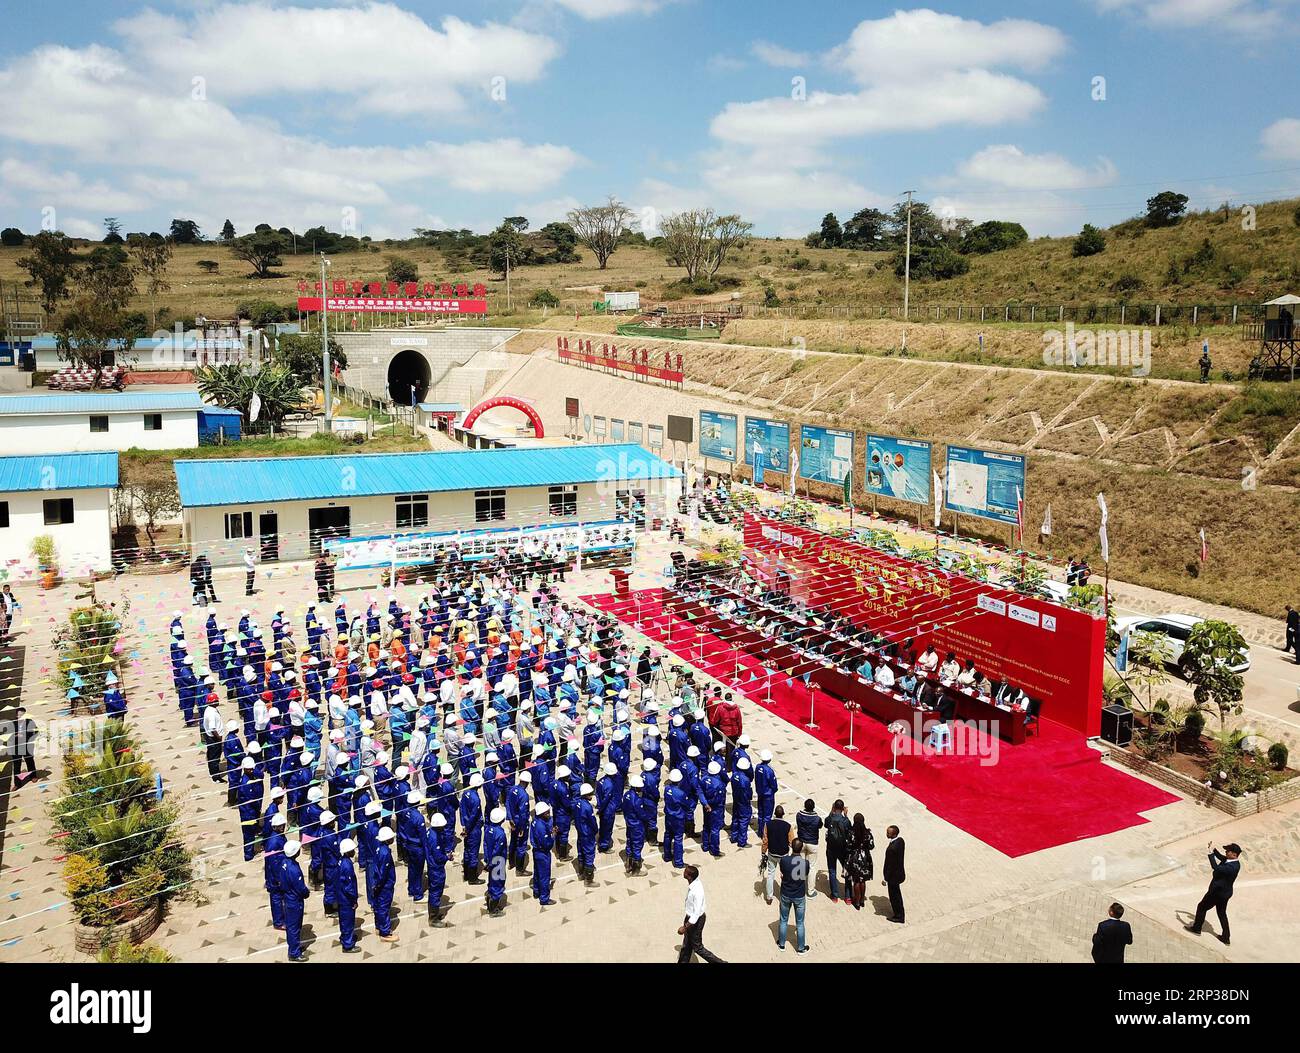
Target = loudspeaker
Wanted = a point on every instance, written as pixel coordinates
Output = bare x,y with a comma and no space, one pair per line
1117,725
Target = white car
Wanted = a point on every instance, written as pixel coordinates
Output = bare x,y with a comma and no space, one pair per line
1176,628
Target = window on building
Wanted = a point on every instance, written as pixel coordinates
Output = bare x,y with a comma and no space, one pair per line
99,422
239,525
489,505
58,510
4,514
412,511
564,500
153,422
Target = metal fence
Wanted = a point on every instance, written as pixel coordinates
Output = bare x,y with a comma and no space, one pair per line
1152,314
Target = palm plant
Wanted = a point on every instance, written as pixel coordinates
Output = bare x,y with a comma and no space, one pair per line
277,389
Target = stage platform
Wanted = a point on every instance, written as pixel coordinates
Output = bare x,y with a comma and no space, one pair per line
1052,790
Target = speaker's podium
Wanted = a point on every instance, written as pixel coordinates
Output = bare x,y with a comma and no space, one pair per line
1117,724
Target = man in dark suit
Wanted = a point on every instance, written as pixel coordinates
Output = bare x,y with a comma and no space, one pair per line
894,873
1292,630
1224,866
1111,937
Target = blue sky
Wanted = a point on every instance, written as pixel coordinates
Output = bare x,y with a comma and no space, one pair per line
387,116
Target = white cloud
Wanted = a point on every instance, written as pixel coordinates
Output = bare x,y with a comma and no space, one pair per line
1009,166
1237,16
916,70
915,45
775,55
218,162
63,189
596,9
1282,139
381,58
722,63
968,97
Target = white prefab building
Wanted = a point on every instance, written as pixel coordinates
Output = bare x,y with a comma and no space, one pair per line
109,420
67,496
287,507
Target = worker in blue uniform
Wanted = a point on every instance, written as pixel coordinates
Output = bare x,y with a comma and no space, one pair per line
517,807
250,808
271,870
471,825
435,861
584,816
347,894
713,794
410,843
607,802
632,821
496,858
742,796
295,892
676,803
542,835
382,882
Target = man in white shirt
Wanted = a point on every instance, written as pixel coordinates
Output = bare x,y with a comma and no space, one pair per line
884,677
250,570
929,661
213,728
692,928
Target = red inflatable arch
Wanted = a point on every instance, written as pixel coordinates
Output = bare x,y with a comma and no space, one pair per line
526,408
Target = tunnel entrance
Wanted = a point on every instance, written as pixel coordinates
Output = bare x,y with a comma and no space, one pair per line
406,369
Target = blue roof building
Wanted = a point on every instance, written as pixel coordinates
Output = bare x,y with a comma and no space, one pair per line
67,497
284,507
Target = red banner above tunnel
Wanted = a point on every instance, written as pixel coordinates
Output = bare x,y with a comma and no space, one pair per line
375,305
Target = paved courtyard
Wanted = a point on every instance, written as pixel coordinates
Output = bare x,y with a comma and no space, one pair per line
966,901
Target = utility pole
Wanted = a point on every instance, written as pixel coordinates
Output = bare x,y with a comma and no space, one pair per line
509,303
325,345
907,268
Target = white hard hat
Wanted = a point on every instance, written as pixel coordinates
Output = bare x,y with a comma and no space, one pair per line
765,756
675,776
385,834
714,768
498,815
439,820
347,846
611,769
649,764
292,848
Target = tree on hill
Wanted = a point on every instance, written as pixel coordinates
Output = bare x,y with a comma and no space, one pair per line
927,228
402,269
996,235
227,231
112,231
185,232
11,237
1090,241
260,250
557,243
51,265
832,235
109,276
152,258
700,241
932,262
868,229
1165,209
600,227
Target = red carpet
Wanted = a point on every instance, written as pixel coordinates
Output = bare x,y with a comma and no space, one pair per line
1050,791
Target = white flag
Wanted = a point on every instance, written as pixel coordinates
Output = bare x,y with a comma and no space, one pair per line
1047,521
255,407
1105,516
794,466
938,497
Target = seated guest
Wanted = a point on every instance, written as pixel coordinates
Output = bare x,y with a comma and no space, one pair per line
864,670
929,661
884,677
907,684
928,695
907,654
983,685
950,668
947,707
968,675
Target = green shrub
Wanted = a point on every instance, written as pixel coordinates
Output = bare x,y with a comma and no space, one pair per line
1278,754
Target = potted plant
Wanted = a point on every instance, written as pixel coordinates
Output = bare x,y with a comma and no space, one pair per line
46,560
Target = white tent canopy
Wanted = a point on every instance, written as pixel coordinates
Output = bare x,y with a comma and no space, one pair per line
1289,298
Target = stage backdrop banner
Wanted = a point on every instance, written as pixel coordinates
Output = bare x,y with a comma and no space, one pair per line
1055,653
825,454
985,483
898,468
718,435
